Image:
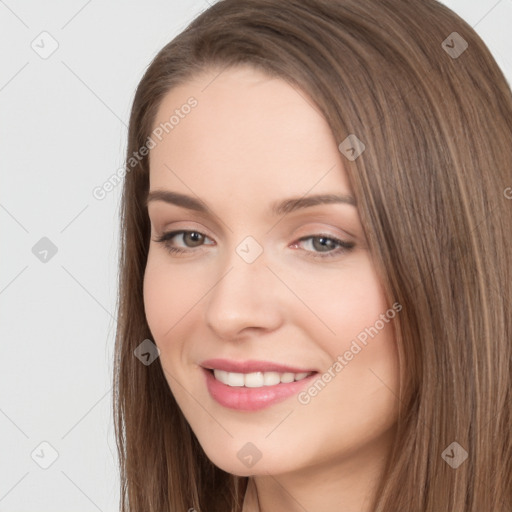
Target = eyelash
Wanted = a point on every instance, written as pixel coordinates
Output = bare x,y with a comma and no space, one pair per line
343,245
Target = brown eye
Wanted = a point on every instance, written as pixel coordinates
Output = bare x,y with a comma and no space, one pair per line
324,244
178,242
193,238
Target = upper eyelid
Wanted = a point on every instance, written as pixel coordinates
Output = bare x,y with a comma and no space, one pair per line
188,228
220,225
215,220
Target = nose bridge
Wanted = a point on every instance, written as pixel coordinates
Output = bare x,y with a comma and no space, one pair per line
245,294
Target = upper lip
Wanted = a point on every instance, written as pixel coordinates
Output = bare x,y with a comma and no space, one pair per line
251,366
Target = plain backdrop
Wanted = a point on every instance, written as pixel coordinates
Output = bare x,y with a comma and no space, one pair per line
68,72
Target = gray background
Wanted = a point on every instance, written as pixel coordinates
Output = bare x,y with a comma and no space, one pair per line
63,124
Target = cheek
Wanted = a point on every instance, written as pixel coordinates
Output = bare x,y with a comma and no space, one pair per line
355,322
346,301
156,291
167,298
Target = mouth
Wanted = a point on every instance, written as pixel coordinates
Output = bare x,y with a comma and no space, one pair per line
250,390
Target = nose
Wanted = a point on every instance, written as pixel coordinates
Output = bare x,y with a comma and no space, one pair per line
246,298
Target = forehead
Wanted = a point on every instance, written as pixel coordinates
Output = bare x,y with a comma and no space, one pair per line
246,132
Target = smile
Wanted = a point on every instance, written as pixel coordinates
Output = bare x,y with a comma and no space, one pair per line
257,379
256,390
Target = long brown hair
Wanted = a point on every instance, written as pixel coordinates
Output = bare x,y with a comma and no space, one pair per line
431,188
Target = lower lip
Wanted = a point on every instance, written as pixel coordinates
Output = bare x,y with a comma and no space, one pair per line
252,399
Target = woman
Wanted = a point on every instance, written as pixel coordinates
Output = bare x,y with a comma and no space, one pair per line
314,308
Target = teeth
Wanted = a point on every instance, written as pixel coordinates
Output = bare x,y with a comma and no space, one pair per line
287,377
271,378
257,379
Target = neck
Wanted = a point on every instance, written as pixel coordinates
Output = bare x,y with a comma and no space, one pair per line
346,484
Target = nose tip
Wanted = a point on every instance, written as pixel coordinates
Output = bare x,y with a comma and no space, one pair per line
245,297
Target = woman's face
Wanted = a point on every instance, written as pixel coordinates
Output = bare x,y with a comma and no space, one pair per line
273,280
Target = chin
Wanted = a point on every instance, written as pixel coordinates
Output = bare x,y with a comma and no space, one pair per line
246,459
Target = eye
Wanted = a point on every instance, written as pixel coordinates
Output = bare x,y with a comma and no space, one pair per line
190,239
324,246
316,246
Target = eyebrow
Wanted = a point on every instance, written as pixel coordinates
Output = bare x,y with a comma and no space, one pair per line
278,208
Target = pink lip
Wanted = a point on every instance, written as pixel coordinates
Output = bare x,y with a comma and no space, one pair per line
251,366
252,399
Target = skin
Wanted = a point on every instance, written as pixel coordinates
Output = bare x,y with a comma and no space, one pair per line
255,140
